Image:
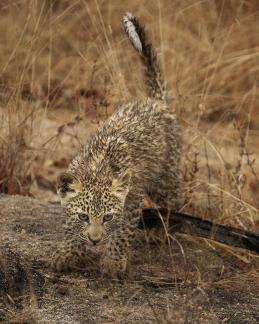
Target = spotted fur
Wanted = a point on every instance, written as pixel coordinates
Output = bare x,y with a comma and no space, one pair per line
135,153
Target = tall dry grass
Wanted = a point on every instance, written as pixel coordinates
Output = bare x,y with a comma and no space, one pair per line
53,53
16,154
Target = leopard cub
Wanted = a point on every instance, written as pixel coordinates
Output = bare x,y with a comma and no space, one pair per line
135,153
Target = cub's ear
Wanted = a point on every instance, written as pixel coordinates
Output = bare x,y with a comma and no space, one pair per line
121,185
67,187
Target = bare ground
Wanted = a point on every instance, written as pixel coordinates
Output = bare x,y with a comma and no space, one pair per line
193,281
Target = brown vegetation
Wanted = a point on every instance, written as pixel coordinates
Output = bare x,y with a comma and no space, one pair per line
65,64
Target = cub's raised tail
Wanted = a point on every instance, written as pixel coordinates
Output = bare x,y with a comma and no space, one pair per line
138,38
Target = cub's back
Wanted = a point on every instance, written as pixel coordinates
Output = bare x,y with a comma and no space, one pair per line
136,136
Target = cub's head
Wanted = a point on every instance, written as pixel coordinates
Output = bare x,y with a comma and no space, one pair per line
94,208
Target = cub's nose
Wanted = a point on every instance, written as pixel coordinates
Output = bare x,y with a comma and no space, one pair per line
94,241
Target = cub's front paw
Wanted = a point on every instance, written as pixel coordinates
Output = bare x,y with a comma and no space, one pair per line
64,261
114,268
61,262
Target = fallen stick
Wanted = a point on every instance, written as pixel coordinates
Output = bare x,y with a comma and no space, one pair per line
192,225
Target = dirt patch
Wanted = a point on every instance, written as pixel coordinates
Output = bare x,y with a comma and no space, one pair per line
191,281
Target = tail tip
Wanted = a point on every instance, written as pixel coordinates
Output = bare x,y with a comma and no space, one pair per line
130,25
129,15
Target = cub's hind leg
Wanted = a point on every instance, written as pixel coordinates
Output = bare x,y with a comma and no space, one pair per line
166,192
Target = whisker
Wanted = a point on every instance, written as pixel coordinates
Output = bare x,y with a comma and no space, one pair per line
83,238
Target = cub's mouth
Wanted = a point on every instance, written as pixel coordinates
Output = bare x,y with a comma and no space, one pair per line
93,243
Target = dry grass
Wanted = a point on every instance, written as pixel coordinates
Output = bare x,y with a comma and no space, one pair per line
16,153
65,64
73,56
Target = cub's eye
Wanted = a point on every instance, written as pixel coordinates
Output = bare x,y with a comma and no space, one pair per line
83,217
107,217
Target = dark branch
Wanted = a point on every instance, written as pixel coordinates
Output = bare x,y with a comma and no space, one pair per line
184,223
